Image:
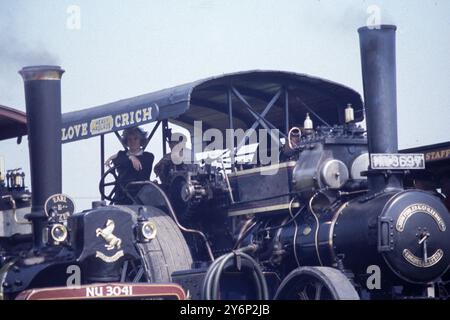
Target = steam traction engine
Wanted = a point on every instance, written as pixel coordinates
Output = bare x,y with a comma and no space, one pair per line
332,222
328,221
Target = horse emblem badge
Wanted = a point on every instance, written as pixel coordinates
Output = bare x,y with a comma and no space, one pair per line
112,242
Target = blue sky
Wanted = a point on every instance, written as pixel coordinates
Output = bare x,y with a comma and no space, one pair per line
126,48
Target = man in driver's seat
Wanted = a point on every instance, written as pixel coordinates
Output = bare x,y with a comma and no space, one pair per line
133,164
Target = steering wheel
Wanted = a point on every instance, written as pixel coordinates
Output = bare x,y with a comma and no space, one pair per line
114,182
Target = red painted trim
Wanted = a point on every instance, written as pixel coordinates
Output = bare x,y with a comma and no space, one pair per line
106,291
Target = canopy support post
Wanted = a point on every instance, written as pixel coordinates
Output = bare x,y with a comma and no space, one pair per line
164,129
286,109
102,159
151,134
230,117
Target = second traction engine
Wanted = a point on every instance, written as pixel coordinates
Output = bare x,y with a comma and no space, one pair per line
331,208
334,215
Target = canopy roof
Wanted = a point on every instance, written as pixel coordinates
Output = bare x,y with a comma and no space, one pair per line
439,152
13,123
208,100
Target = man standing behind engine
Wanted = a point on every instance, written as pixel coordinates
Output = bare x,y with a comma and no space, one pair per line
178,156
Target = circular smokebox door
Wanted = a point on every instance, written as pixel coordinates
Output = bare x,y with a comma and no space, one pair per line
414,236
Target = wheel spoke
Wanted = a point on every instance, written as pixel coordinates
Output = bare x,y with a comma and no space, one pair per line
303,295
139,274
103,183
124,271
318,287
111,194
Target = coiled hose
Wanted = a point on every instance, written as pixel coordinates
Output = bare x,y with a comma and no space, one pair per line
210,290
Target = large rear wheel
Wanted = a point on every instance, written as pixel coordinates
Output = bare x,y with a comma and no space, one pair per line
316,283
166,253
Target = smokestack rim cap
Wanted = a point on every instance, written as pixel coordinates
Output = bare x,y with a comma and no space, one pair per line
377,27
41,72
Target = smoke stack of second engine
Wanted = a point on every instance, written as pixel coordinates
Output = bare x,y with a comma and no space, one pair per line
380,96
43,106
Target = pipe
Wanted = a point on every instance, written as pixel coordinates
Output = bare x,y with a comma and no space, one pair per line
380,97
211,282
43,108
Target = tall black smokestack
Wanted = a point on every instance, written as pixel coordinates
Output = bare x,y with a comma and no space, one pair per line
380,97
43,107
